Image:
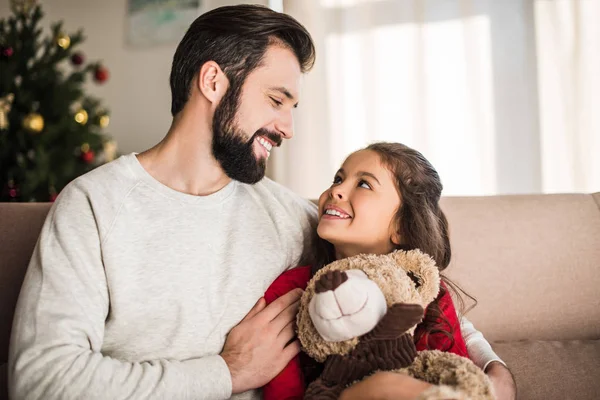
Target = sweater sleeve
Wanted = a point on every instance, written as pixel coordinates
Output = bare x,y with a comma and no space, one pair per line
58,329
479,348
289,384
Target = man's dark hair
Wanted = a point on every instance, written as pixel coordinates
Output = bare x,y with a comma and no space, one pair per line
236,38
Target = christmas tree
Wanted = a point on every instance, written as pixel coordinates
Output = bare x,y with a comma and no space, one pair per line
50,131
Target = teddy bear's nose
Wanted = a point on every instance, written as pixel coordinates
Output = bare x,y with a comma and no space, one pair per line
330,281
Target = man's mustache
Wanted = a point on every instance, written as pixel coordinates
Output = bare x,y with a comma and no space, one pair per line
272,136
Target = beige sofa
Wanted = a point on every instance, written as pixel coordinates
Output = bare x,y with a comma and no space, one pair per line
532,262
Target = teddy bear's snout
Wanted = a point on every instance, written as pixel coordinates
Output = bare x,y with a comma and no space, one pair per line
346,304
330,281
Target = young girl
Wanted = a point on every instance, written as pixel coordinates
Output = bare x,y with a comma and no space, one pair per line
384,197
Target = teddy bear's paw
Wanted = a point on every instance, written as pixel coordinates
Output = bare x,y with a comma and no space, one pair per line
442,393
448,369
320,390
346,305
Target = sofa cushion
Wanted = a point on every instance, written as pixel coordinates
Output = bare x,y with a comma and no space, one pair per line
19,230
553,369
530,261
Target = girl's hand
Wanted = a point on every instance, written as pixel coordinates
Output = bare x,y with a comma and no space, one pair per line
502,381
385,385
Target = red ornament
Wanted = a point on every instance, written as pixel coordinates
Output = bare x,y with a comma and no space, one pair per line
77,58
13,192
88,156
7,51
101,74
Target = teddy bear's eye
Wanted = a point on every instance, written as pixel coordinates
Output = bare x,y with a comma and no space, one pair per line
414,278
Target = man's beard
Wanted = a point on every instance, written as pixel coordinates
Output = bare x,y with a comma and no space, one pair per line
236,156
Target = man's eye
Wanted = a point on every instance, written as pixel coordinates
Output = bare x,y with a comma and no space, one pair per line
364,185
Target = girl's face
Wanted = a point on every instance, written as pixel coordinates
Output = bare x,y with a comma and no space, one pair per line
356,214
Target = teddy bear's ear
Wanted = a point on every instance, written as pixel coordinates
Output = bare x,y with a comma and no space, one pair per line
421,269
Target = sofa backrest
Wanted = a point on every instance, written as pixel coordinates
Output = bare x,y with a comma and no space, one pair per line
20,225
532,262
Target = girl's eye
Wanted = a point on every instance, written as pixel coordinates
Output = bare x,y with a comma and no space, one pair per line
337,179
276,102
364,185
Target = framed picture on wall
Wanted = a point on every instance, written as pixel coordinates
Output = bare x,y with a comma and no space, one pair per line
154,22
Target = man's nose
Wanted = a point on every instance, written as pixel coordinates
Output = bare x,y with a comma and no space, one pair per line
285,124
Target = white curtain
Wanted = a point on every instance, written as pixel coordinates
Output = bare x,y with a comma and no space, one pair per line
456,79
568,50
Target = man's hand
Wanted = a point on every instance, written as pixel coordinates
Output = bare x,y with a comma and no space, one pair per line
502,381
261,345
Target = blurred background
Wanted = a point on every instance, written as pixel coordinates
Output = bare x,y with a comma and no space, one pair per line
502,96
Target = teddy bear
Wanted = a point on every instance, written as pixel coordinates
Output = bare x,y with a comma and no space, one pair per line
358,316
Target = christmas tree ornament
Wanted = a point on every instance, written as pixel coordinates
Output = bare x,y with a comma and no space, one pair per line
7,52
88,156
85,148
63,40
81,117
110,150
33,123
103,121
5,106
101,74
52,195
18,80
77,58
12,189
22,6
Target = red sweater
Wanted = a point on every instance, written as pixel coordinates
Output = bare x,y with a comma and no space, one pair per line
289,384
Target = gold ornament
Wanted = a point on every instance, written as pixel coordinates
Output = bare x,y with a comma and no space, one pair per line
85,148
63,40
81,117
5,106
103,121
110,150
22,6
33,122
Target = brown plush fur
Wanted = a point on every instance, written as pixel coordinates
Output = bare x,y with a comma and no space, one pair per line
455,377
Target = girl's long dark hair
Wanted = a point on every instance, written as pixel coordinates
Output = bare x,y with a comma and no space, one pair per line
421,224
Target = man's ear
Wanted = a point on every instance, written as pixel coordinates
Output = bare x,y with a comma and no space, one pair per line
212,82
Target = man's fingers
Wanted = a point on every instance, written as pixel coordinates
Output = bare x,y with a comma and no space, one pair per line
258,307
290,351
287,334
279,305
285,317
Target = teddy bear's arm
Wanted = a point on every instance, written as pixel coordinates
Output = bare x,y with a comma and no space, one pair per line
399,318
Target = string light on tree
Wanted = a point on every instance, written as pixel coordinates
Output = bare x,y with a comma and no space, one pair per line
81,117
63,40
33,123
5,106
103,121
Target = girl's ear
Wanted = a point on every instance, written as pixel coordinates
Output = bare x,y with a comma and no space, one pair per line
396,238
